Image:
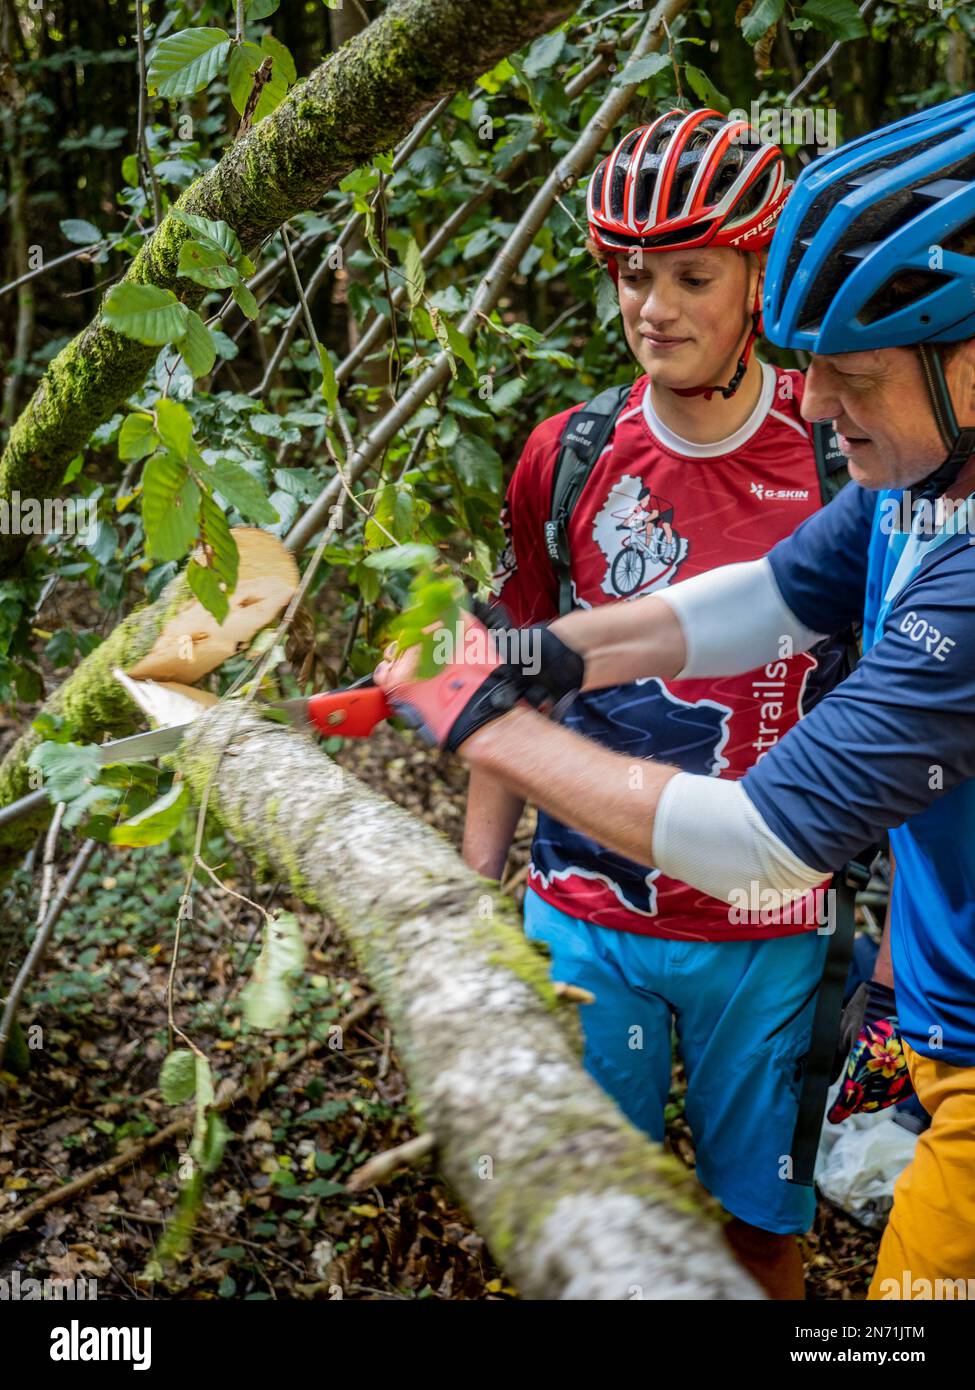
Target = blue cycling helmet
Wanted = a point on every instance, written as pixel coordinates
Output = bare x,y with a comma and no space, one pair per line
860,217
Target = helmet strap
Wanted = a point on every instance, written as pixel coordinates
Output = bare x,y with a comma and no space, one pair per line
960,443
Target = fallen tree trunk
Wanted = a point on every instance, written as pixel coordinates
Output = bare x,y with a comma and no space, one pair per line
361,101
572,1199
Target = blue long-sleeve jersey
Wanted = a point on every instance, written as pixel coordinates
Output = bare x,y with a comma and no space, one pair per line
893,747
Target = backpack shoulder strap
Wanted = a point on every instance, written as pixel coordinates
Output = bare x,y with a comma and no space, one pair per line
583,440
830,461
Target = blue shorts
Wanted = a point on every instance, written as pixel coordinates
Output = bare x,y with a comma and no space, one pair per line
743,1014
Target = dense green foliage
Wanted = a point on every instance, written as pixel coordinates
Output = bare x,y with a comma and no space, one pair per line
217,436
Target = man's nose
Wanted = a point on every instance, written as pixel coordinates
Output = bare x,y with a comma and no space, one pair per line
819,399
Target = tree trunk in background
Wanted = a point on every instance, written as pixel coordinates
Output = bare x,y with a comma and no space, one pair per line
572,1199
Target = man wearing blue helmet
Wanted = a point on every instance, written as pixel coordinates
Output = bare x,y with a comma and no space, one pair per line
872,271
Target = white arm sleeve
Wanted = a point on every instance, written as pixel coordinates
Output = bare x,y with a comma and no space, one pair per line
707,833
734,619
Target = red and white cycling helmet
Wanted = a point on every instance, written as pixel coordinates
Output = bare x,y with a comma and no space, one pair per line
689,179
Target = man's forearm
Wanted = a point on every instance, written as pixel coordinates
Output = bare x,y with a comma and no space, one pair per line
722,623
493,812
702,830
624,642
604,794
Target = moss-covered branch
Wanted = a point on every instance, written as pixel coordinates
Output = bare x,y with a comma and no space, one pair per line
572,1199
362,100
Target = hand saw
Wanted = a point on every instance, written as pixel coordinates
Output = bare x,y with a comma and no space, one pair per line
352,711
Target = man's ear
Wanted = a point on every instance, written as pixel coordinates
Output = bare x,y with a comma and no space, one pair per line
960,371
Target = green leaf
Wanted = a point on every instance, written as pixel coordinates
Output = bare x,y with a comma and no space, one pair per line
214,1143
219,547
477,464
402,557
79,231
170,507
330,386
544,54
439,323
457,405
145,313
245,300
137,437
839,19
60,649
760,19
366,581
260,9
507,394
242,491
157,822
197,346
67,769
207,265
245,59
218,232
187,61
460,345
703,87
177,1079
607,301
206,587
284,63
394,512
175,426
212,572
642,68
415,275
494,80
204,1099
268,1000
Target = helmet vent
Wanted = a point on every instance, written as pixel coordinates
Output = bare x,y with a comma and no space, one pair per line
876,223
823,205
900,292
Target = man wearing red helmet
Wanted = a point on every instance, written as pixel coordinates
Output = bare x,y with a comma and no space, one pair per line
694,476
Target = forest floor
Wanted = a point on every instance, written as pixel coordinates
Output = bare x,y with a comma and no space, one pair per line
277,1219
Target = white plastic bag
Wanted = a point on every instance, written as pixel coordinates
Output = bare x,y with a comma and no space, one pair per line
860,1160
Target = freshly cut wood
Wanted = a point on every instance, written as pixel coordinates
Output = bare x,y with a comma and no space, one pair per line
166,702
573,1200
193,643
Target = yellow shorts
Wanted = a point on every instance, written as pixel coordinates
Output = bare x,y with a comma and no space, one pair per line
928,1248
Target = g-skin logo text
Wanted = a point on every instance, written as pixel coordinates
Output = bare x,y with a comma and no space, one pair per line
779,494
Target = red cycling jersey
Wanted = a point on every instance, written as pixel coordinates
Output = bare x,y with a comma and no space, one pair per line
655,510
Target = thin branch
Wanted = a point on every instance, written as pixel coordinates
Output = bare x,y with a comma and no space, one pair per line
47,869
39,944
148,172
826,58
380,1166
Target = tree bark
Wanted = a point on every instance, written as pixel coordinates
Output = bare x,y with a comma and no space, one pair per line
362,100
573,1200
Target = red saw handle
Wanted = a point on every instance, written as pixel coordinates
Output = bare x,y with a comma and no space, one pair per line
353,713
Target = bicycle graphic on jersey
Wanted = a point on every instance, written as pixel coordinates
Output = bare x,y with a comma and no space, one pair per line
651,540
